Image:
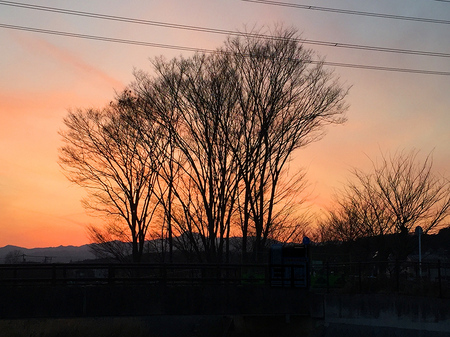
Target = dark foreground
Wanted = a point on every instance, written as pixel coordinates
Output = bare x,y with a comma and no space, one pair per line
332,315
74,300
202,326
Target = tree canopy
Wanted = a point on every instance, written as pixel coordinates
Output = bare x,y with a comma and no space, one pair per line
400,193
205,141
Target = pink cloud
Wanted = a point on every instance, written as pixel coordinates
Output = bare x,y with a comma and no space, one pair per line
38,45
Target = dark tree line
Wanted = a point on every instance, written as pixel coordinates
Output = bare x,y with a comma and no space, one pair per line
197,151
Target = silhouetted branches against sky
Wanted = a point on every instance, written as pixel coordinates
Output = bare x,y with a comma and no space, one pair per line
105,154
234,117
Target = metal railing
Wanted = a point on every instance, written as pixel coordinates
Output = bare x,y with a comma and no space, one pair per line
426,278
360,277
175,274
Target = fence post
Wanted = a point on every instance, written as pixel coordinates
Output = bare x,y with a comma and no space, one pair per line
292,276
397,276
359,277
110,274
440,279
163,274
328,276
53,274
15,275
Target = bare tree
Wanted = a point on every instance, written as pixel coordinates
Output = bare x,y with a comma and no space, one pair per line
207,139
399,194
203,99
285,103
412,193
14,257
359,213
105,154
235,118
110,241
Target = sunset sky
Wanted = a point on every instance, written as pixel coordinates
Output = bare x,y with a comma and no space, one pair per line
42,75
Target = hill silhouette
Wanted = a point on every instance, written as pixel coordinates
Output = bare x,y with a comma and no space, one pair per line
61,254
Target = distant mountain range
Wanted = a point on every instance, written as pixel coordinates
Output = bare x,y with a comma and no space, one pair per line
61,254
431,245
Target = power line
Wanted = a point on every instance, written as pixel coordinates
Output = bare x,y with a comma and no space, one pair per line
218,31
349,11
193,49
103,38
374,48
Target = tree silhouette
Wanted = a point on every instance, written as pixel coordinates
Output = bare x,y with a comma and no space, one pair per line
105,154
399,194
285,103
236,117
204,142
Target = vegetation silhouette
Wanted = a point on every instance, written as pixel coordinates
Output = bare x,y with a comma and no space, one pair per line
200,148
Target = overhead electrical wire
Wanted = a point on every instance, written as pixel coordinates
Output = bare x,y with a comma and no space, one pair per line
193,49
349,11
218,31
103,38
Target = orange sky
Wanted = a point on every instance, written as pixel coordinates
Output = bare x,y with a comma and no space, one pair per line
41,76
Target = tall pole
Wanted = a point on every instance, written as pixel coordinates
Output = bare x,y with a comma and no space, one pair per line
420,255
419,232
